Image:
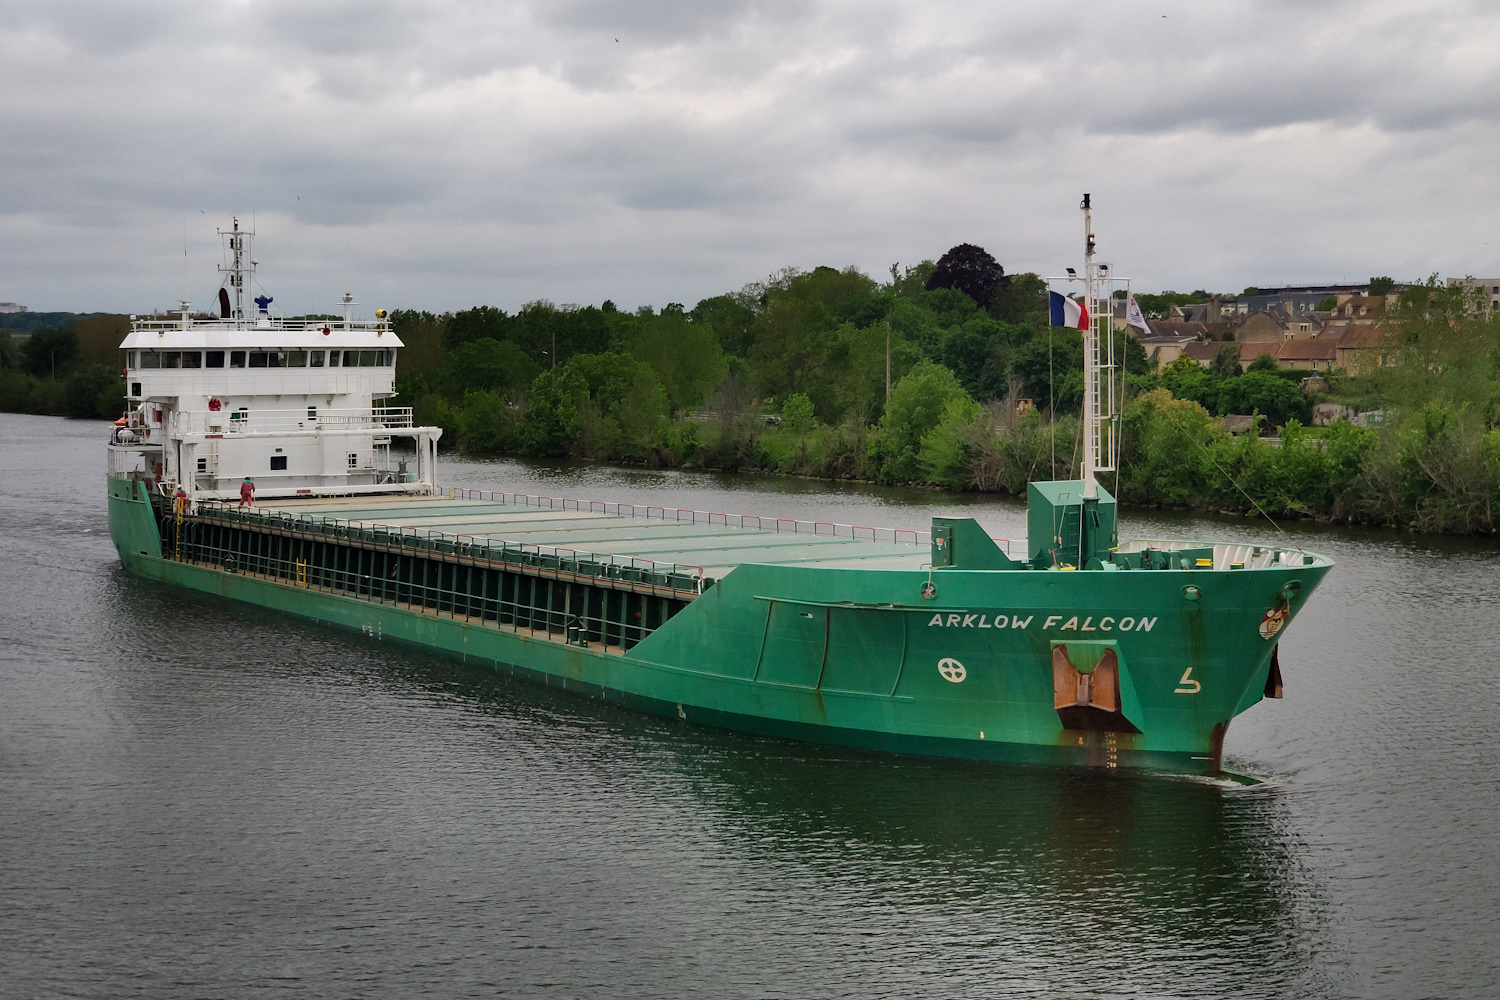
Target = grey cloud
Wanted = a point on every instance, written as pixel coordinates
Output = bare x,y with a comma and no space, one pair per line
454,151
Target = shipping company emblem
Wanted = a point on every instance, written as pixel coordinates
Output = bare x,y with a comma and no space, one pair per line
1272,622
952,670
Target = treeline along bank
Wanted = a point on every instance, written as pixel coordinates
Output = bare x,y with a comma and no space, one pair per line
946,373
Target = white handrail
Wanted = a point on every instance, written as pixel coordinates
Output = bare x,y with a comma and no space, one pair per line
304,418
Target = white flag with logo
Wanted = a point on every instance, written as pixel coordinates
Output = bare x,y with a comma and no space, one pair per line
1133,315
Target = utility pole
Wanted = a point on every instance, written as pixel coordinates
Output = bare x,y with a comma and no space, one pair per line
888,359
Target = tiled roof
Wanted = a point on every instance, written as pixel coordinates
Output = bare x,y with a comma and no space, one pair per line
1204,351
1175,328
1311,349
1364,335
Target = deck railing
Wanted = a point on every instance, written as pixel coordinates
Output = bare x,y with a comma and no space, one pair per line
626,569
247,421
164,324
684,515
451,598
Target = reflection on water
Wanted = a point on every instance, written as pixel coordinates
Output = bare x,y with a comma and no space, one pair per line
210,799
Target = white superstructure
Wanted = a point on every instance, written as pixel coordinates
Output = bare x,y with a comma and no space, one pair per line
292,404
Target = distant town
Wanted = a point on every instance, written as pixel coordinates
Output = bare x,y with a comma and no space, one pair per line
1314,328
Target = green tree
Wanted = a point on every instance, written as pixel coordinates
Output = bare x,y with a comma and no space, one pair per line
797,414
791,345
945,451
911,281
642,414
1265,393
852,382
550,423
486,422
1382,286
1021,300
48,353
1050,370
730,318
1162,456
421,336
99,338
685,356
850,296
1187,379
918,403
1226,362
478,323
486,365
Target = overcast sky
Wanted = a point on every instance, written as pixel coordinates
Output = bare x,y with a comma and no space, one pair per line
446,153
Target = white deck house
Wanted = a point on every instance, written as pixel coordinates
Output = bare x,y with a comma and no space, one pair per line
292,404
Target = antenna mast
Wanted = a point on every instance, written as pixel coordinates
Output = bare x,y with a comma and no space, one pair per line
240,265
1100,441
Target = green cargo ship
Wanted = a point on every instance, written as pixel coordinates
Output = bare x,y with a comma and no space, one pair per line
1078,650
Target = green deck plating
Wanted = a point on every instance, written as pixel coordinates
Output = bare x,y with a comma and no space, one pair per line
1139,657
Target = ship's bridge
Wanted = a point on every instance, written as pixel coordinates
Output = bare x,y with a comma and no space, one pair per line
168,360
291,404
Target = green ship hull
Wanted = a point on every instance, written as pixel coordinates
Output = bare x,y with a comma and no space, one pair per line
1138,667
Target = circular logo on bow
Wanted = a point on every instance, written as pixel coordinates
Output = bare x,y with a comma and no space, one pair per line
952,670
1272,622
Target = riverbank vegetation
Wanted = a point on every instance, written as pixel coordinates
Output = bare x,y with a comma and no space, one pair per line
72,372
789,375
945,374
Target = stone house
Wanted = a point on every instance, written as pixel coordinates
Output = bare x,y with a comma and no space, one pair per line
1316,354
1363,347
1261,327
1254,349
1164,344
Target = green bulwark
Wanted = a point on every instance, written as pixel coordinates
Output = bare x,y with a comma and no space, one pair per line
1065,530
962,543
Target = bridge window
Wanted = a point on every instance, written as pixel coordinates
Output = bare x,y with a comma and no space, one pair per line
296,359
192,359
260,359
278,463
333,358
317,359
150,359
236,359
213,359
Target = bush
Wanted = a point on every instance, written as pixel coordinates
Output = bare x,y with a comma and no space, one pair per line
84,389
918,402
1265,393
1163,449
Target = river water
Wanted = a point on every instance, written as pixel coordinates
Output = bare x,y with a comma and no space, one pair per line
199,799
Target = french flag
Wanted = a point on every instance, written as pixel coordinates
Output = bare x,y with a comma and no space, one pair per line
1066,312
